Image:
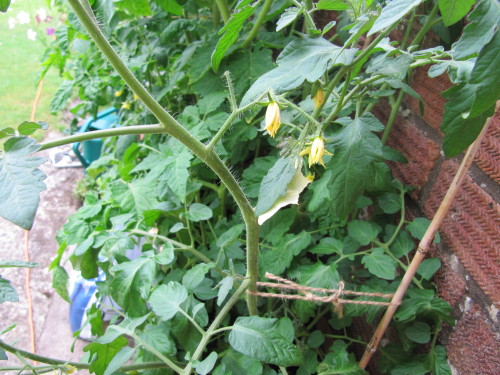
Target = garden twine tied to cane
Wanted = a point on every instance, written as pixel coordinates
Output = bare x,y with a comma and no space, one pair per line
305,293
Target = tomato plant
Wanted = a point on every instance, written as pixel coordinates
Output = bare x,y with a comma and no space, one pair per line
276,166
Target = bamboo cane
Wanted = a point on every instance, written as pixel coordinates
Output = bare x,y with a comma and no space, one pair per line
424,245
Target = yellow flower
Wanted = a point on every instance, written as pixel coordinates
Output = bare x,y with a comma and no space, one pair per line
319,98
126,105
118,93
135,97
272,118
70,369
316,152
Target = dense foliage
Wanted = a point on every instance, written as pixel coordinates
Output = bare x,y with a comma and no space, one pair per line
319,74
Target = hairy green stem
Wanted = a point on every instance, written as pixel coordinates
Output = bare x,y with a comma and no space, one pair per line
223,9
176,130
428,24
227,125
392,116
79,365
183,247
154,351
213,327
258,23
82,137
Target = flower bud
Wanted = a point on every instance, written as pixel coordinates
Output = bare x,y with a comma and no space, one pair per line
319,98
118,93
317,151
272,118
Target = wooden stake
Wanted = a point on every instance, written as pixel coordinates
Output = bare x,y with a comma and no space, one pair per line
424,245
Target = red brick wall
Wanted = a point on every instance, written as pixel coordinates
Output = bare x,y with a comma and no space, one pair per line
470,250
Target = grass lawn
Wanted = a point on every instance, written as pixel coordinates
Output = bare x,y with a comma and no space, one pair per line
20,66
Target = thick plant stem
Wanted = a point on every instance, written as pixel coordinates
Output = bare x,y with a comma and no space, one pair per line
258,23
223,9
213,327
392,116
60,362
82,137
423,247
173,128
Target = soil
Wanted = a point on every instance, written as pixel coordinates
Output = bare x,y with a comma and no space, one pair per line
53,336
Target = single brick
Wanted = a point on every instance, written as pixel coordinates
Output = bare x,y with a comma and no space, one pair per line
470,229
450,285
472,346
430,89
488,156
420,151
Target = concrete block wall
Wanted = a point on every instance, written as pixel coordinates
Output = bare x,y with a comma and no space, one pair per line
469,279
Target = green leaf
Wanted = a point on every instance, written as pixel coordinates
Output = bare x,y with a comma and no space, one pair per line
363,232
170,6
102,354
166,299
231,235
16,263
453,11
419,332
429,267
402,244
195,275
231,32
332,5
7,132
390,203
482,26
380,265
211,102
132,282
158,336
274,184
119,360
29,127
394,11
176,173
253,175
319,275
274,228
21,181
288,16
3,355
460,131
60,280
279,258
259,338
139,195
225,286
339,361
166,256
4,6
357,150
315,339
327,246
84,246
61,97
419,226
439,361
305,59
423,303
135,7
198,212
485,77
204,367
7,291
